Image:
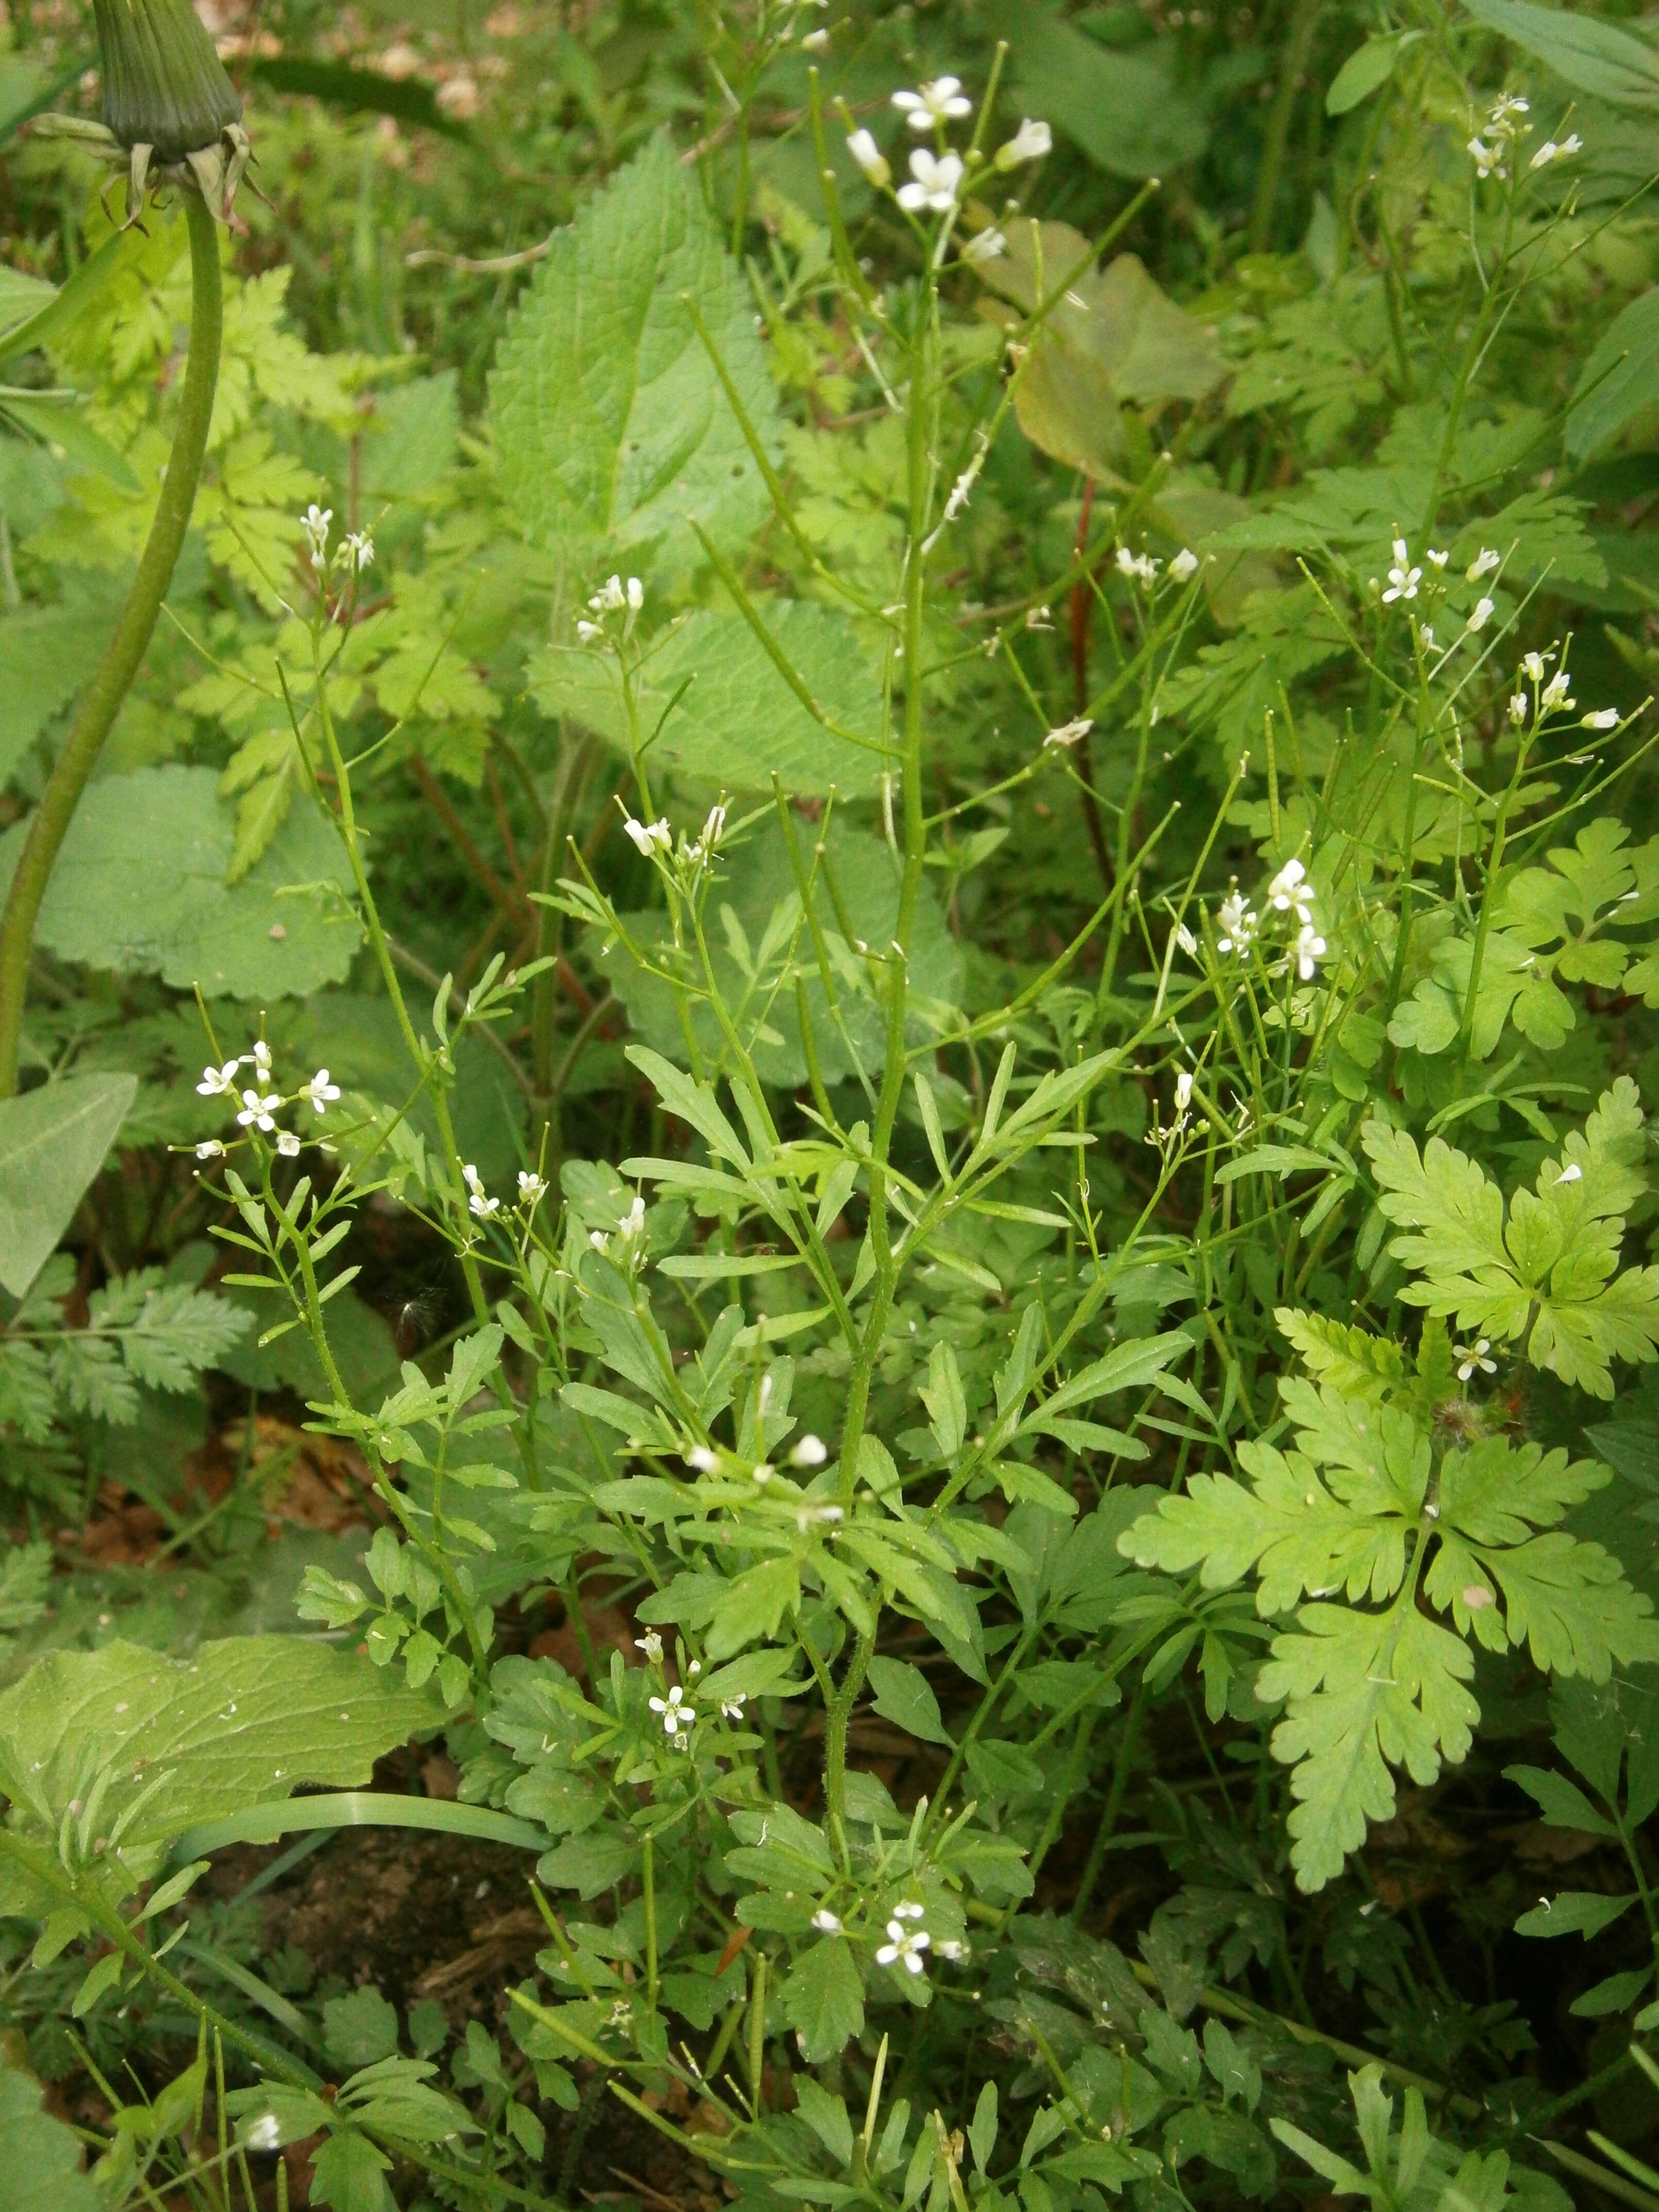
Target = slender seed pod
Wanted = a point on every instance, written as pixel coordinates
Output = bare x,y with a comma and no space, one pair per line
164,84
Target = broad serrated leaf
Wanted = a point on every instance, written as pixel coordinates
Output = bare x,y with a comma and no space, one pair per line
823,1999
241,1724
608,412
140,887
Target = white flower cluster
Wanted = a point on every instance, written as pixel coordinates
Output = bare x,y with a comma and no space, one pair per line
1290,893
260,1102
1406,578
1540,695
614,597
533,1189
649,837
354,553
937,175
629,1229
1142,569
906,1943
1493,148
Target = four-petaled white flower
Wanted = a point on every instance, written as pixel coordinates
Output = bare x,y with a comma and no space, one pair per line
733,1706
676,1713
1554,693
1140,566
651,1645
935,180
810,1451
1533,663
1481,613
984,246
826,1922
648,835
1068,733
1309,950
532,1188
320,1090
288,1144
1469,1356
1403,578
209,1149
1518,707
1290,889
257,1111
216,1081
1185,565
1029,142
904,1946
870,158
1482,565
1238,919
478,1204
1604,718
315,522
937,104
1549,151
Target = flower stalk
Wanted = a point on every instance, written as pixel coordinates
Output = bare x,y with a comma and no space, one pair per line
125,651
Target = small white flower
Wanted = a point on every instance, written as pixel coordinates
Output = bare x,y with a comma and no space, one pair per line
909,1910
288,1144
1470,1357
1533,665
714,829
1549,151
985,246
1029,144
1482,565
870,158
695,1668
1185,565
636,595
951,1949
1427,635
1183,1091
610,599
808,1517
700,1459
816,42
1605,718
265,2134
1573,1174
1238,920
1186,941
532,1188
478,1204
1140,566
1402,578
1555,691
259,1059
216,1081
651,1645
209,1149
1481,613
937,104
826,1923
647,835
315,522
1068,733
598,1240
935,180
1439,559
1309,950
733,1706
320,1091
1488,159
1290,889
762,1470
810,1451
1510,104
587,631
632,1223
256,1111
902,1947
356,552
676,1713
1518,706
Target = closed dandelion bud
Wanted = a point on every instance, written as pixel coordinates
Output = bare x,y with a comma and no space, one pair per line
164,84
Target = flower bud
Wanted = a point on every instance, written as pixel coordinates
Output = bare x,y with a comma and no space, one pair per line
164,84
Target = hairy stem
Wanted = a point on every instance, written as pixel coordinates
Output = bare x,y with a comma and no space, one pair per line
128,645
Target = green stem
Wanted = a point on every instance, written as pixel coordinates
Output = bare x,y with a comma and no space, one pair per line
127,647
1303,27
